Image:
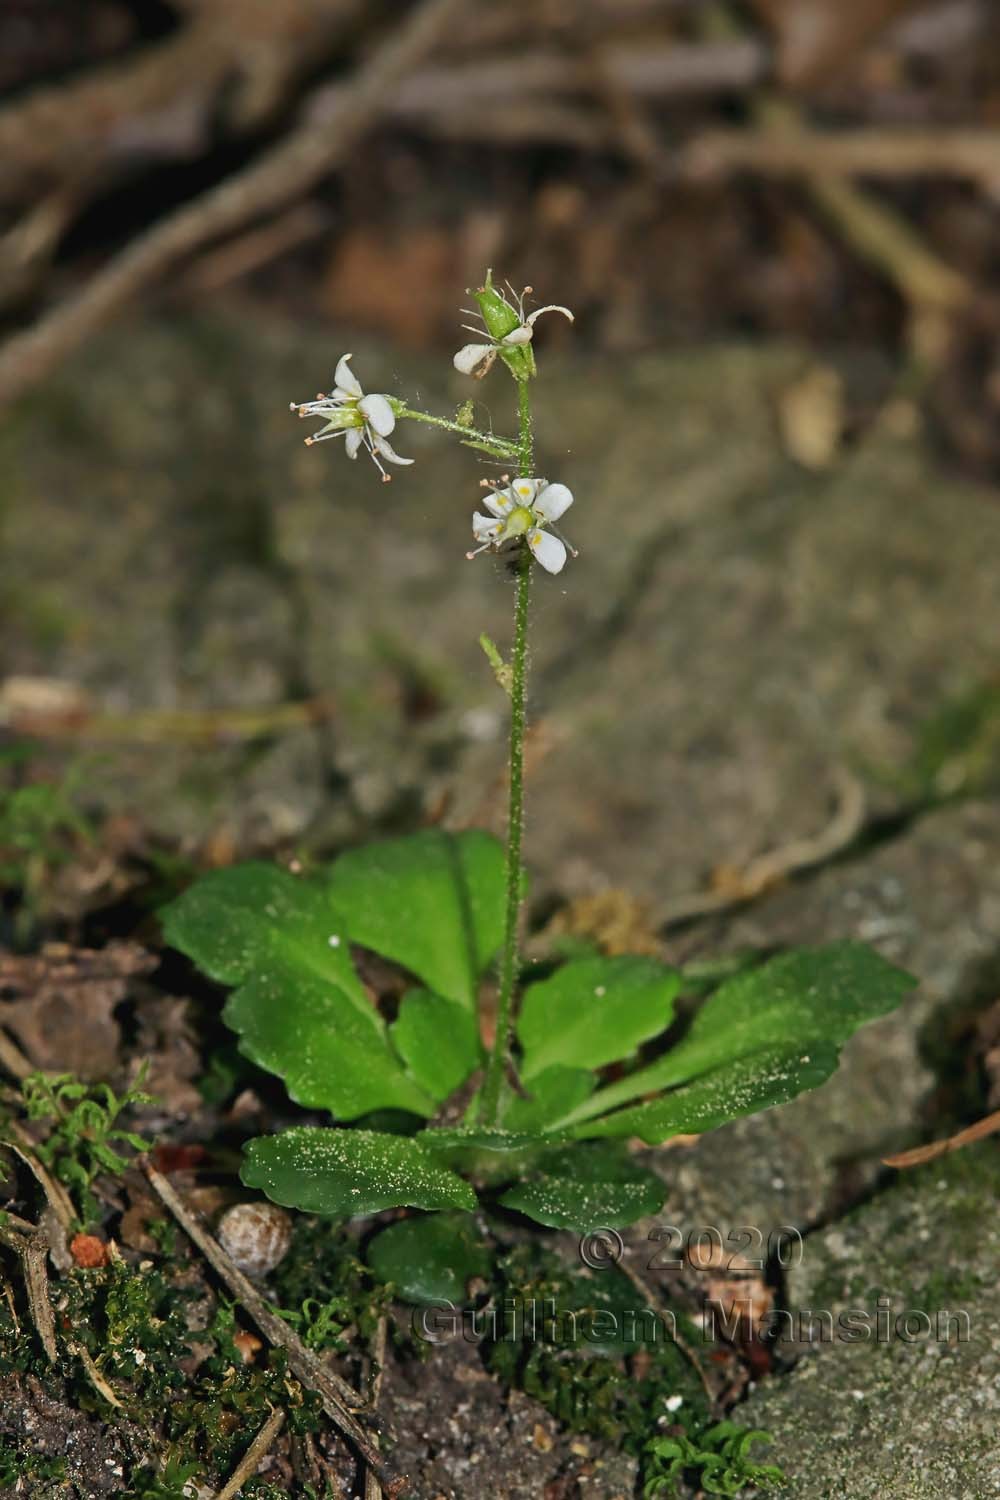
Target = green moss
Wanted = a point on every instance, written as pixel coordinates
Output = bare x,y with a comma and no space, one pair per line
324,1290
19,1464
936,1210
597,1358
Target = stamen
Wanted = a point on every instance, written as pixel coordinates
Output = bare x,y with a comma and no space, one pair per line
386,478
565,540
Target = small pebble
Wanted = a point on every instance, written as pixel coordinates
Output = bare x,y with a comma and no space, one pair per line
256,1236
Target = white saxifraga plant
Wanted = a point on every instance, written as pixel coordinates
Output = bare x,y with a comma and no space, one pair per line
521,524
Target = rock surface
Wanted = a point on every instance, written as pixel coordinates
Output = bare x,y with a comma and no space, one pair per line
929,901
732,630
902,1401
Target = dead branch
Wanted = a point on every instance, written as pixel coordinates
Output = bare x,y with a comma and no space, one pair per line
160,726
373,1490
230,66
876,233
263,188
883,152
12,1059
56,1195
93,1374
31,1247
654,71
256,1451
339,1400
888,242
768,870
917,1155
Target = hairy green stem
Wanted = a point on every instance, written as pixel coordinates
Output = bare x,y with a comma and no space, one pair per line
500,447
509,964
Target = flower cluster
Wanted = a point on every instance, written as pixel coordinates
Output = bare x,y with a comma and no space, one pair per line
361,420
525,508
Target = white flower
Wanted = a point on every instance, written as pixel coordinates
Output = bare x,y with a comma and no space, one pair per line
478,359
524,508
360,419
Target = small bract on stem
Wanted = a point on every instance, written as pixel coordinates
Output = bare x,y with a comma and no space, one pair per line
523,512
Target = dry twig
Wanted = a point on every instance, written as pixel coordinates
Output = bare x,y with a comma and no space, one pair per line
267,186
94,1375
58,1199
915,1157
875,152
252,1457
230,66
31,1248
12,1059
769,869
373,1490
339,1400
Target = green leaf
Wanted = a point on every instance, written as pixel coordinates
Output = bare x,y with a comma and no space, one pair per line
433,902
345,1173
769,1077
487,1155
430,1259
594,1011
809,1001
587,1187
232,922
438,1040
300,1009
549,1095
329,1056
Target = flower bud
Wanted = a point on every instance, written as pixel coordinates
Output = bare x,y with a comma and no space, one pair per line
503,318
499,315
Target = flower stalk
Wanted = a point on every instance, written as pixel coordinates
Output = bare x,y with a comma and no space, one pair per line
521,522
487,442
489,1108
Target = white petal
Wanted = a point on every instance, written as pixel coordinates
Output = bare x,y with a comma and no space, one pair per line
485,528
377,411
345,378
525,490
475,359
353,441
520,335
553,501
551,307
387,451
548,549
500,502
